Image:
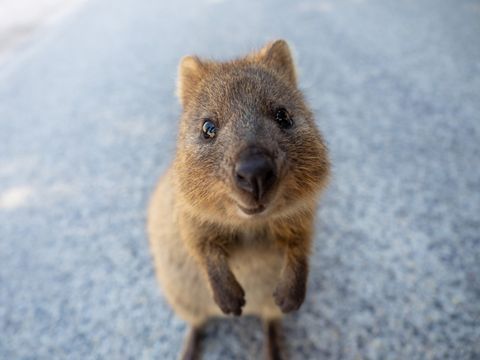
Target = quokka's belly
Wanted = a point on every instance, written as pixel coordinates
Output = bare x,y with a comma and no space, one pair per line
258,269
183,282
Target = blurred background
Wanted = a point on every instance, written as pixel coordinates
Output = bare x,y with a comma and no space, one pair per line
87,120
19,19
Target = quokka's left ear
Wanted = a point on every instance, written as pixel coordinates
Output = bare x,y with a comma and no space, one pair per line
191,70
277,56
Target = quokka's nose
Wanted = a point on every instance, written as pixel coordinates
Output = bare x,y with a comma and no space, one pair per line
254,173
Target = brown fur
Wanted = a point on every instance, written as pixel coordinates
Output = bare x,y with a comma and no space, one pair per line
210,258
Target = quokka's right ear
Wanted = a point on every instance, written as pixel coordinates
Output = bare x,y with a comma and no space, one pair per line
277,56
190,73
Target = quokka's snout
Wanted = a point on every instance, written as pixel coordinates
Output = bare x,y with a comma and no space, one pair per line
255,173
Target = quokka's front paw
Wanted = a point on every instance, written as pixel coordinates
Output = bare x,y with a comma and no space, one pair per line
290,296
230,297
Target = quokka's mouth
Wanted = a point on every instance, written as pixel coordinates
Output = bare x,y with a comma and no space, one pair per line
252,211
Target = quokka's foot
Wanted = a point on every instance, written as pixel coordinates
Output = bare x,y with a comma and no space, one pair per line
191,349
274,340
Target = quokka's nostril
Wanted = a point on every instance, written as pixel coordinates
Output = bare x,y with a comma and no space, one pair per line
243,182
269,175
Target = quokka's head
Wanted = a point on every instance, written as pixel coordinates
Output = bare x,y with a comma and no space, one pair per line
248,148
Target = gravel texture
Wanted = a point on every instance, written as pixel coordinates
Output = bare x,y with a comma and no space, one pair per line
88,122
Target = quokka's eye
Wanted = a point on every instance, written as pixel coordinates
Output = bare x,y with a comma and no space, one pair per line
209,129
283,118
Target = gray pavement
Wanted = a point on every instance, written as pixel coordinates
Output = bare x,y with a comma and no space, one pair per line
20,19
87,124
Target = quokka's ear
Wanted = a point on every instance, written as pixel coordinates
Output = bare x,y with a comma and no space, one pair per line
190,72
277,56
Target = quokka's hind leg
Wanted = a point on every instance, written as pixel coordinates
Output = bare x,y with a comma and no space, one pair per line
191,347
274,340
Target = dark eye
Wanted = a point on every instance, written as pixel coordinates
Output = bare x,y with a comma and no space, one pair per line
283,118
209,129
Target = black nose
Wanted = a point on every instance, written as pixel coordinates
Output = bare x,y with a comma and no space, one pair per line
254,173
